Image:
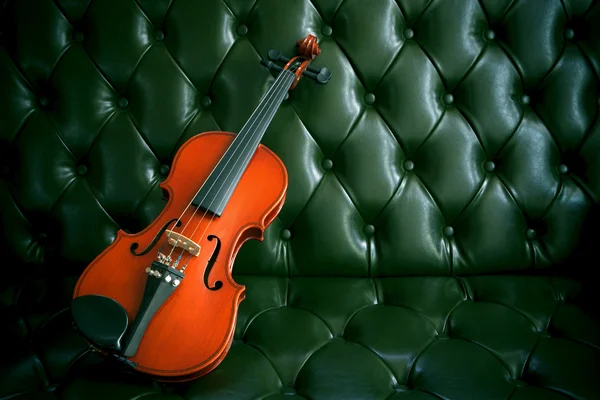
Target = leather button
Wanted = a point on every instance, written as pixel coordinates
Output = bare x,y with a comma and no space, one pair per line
490,34
525,99
530,234
369,230
42,236
44,102
409,165
242,30
164,170
285,235
448,231
122,102
326,30
563,169
327,164
409,33
79,37
205,102
370,99
288,391
489,166
159,35
448,98
82,170
569,34
545,335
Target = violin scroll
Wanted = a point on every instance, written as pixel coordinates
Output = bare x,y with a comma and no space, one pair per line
308,47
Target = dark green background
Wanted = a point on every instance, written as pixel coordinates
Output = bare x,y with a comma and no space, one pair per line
440,230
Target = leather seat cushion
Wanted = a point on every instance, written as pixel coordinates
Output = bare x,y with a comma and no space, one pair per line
340,338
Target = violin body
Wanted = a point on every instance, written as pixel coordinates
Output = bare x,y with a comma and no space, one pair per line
163,301
193,329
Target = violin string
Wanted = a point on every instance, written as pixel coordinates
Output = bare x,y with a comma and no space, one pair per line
264,99
252,139
274,96
214,168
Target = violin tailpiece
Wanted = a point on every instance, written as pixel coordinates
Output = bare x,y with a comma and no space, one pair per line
161,283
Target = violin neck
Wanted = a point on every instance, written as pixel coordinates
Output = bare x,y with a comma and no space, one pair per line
219,186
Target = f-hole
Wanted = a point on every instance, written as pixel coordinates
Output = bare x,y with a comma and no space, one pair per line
135,245
211,262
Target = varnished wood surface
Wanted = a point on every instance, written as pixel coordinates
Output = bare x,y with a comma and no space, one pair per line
191,333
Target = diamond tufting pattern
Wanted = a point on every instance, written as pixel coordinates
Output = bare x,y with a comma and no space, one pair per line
437,239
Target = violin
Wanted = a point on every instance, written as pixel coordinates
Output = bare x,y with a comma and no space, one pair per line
163,302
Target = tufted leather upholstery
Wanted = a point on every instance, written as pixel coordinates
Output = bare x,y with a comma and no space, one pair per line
437,240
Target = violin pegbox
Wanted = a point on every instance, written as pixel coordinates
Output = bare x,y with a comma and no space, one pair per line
308,49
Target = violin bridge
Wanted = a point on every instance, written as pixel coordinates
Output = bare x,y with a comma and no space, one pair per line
178,240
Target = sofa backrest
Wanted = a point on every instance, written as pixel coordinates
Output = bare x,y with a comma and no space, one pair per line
455,137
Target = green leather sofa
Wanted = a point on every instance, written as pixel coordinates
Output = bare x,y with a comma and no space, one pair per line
439,239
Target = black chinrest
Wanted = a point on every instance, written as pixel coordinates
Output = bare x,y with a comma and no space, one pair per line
100,319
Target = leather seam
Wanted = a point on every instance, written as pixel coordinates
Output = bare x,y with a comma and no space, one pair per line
303,364
218,70
251,319
339,7
513,60
423,11
521,313
394,194
167,11
553,67
314,139
587,59
434,64
508,10
59,59
431,132
481,346
390,65
473,65
565,9
93,143
185,128
24,122
512,134
383,361
466,119
176,63
352,65
308,200
402,12
351,130
347,192
142,136
411,366
529,356
135,67
445,327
